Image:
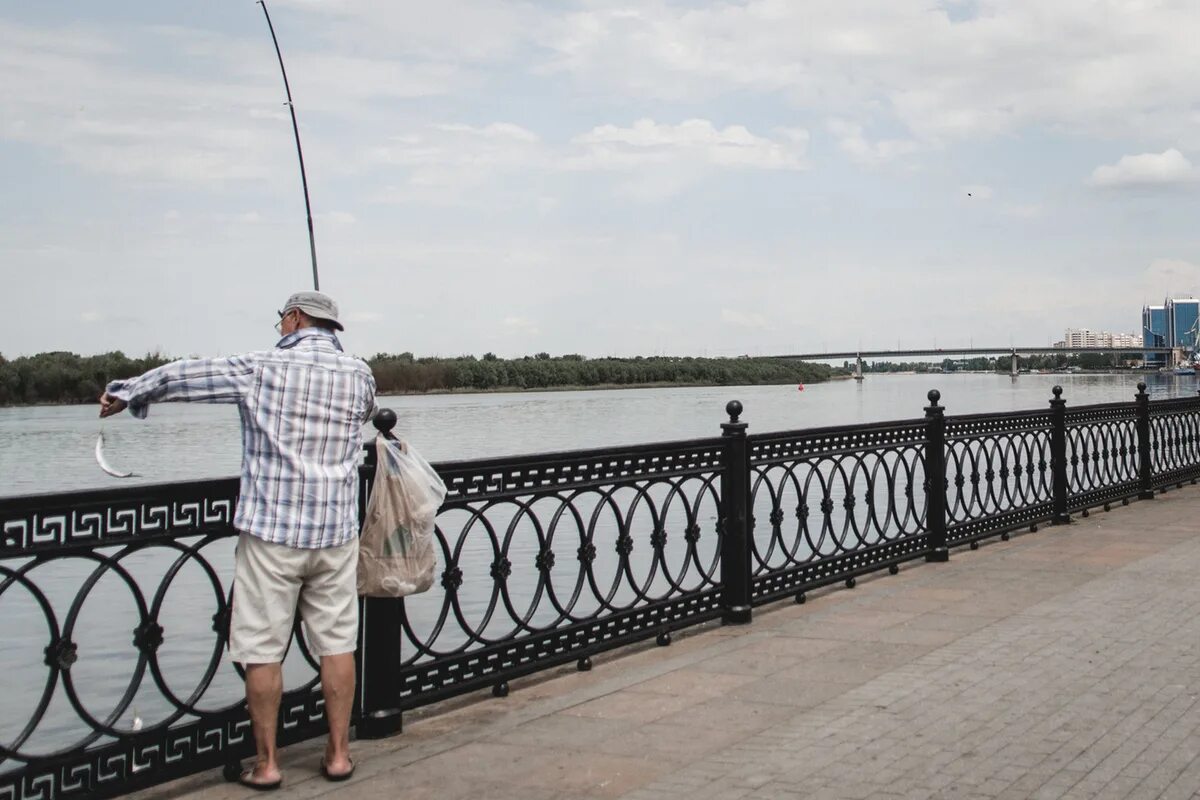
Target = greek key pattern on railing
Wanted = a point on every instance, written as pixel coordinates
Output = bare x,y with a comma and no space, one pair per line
533,576
834,495
50,523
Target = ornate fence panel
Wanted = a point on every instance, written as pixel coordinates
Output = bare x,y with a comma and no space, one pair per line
1101,454
125,597
998,473
552,558
1175,440
832,503
116,602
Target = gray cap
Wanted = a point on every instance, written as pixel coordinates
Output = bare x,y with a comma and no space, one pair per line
317,305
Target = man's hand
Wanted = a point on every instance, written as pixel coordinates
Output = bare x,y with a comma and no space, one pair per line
110,405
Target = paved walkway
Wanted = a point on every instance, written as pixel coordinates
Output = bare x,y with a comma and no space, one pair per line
1063,663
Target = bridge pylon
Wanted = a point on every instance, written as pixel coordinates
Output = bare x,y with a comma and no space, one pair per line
1014,368
858,373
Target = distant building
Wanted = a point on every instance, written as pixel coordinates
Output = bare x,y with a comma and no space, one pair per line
1183,316
1155,333
1085,337
1176,323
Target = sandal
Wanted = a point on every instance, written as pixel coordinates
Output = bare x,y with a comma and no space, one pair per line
340,776
247,779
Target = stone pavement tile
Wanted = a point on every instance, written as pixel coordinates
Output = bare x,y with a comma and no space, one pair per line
671,742
592,774
452,786
730,714
693,682
634,706
959,623
790,690
798,647
747,662
906,634
562,731
836,629
852,614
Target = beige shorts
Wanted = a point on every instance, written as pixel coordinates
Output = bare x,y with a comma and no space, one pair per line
272,581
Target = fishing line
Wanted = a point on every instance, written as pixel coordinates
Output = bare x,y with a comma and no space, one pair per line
312,243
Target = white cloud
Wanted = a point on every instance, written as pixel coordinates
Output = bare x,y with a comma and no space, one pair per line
693,140
1111,69
449,162
1023,210
521,326
854,144
1172,277
336,218
364,317
1167,168
744,319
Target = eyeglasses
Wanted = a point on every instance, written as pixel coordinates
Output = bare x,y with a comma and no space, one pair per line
279,324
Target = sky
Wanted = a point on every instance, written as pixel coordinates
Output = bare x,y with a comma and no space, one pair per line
606,178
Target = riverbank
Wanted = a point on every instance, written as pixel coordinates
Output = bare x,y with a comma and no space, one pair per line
68,379
467,390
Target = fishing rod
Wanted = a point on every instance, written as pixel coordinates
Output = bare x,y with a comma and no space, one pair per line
312,242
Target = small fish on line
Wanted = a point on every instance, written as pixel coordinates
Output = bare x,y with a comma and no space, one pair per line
104,465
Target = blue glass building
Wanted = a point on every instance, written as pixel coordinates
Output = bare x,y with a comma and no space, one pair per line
1154,333
1182,318
1176,323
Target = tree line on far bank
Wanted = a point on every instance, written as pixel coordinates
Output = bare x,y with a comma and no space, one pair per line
62,377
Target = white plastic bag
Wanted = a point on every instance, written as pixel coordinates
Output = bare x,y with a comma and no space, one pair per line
396,553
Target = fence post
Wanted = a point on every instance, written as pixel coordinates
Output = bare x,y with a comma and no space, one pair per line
1058,457
379,644
935,478
735,520
1145,467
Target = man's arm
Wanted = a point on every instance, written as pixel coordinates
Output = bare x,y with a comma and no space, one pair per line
200,380
372,402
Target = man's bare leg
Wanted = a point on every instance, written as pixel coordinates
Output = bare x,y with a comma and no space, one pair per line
264,690
337,684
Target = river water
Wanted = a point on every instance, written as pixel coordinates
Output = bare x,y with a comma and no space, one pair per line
49,449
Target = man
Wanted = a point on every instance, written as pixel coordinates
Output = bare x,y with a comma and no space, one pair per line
303,405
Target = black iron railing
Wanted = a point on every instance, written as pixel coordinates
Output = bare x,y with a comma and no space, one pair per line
122,680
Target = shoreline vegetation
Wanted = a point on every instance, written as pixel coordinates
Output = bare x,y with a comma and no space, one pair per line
65,378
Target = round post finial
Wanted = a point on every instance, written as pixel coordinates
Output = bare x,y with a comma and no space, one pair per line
934,395
384,421
1057,392
734,409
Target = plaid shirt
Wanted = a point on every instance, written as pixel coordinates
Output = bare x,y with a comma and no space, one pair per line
303,406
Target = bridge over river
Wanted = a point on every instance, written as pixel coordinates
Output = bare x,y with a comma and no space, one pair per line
1014,353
